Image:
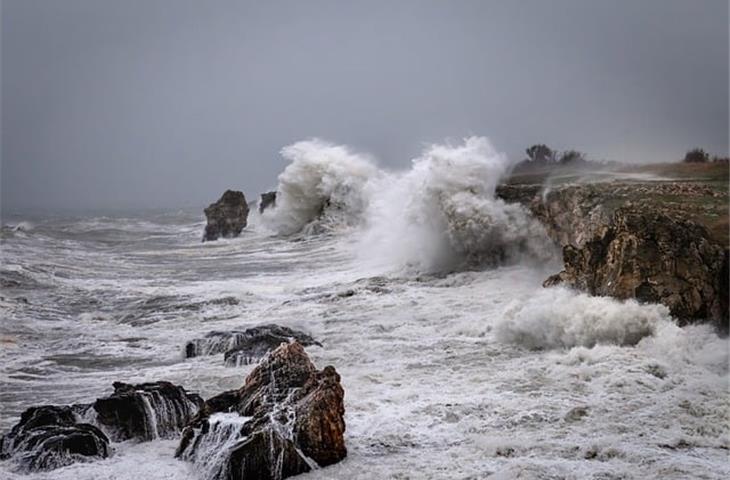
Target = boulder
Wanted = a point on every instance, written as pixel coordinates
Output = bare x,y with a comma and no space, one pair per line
49,437
287,419
243,347
268,200
146,411
227,217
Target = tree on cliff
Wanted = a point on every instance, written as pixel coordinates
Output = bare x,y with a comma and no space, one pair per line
696,155
571,156
541,153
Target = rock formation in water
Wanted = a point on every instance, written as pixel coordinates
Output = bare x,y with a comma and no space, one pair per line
227,217
287,419
619,241
146,411
268,200
243,347
50,437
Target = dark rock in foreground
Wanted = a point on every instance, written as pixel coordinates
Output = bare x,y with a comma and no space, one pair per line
243,347
227,217
146,411
268,200
287,419
49,437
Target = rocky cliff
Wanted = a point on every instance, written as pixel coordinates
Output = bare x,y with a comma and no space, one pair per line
660,242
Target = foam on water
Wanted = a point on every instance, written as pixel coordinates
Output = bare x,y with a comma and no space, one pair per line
474,371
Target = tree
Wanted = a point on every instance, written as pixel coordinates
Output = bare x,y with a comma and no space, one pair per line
571,156
540,154
696,155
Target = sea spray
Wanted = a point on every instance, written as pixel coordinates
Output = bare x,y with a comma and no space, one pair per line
558,317
322,188
442,214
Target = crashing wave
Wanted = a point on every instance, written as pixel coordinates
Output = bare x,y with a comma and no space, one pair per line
321,189
443,215
562,318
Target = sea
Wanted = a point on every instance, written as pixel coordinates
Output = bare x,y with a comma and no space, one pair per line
425,292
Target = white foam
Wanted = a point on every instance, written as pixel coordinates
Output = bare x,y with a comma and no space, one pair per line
323,182
558,317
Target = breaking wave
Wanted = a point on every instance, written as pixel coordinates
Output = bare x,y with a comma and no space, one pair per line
562,318
322,188
441,215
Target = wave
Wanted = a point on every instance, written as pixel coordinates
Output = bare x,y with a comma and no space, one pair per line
440,215
561,318
321,189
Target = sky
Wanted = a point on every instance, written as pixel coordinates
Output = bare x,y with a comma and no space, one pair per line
166,103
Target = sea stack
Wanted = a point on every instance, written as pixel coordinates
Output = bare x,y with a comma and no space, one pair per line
268,200
226,217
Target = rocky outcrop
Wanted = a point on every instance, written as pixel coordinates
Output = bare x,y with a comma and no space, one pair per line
619,241
268,200
146,411
50,437
288,418
227,217
243,347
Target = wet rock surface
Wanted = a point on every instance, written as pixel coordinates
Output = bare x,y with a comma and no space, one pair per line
227,217
50,437
287,419
619,241
243,347
268,200
146,411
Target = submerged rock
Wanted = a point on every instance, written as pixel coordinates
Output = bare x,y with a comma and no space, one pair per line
50,437
243,347
146,411
268,200
287,419
227,217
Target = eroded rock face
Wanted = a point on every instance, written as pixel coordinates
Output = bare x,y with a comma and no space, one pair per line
288,418
619,241
50,437
654,258
268,200
146,411
243,347
227,217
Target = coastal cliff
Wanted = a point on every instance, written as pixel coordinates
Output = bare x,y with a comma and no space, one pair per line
655,241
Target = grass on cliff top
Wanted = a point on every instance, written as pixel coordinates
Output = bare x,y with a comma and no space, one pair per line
710,210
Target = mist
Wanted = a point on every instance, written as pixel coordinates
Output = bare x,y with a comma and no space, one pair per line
164,104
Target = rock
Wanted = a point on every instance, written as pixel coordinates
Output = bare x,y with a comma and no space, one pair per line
226,217
243,347
287,419
49,437
619,241
268,200
575,414
146,411
652,257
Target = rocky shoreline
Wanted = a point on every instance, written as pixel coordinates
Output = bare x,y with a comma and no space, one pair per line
659,242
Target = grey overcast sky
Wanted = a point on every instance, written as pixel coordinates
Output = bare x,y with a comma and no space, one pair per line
165,103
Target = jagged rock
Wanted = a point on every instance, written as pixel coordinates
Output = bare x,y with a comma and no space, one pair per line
268,200
652,257
618,241
288,418
49,437
243,347
226,217
146,411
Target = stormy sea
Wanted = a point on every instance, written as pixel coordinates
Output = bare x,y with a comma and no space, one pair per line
420,287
